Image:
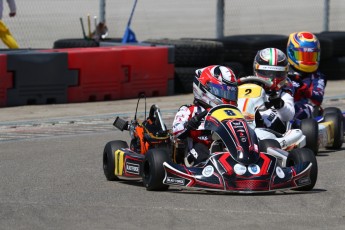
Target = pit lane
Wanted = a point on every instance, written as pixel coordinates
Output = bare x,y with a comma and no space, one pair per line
52,178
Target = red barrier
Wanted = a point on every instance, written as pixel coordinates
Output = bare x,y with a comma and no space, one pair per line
148,71
119,72
100,74
6,80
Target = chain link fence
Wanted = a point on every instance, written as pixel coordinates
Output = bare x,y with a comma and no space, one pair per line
39,23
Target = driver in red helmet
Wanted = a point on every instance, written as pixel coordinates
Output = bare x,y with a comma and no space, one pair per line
212,86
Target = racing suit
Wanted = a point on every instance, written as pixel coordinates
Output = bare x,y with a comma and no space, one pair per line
197,140
309,92
280,109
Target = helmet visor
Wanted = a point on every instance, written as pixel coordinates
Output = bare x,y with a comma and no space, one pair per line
306,55
271,72
227,92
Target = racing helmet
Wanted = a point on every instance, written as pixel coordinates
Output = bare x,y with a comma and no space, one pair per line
215,85
271,64
303,51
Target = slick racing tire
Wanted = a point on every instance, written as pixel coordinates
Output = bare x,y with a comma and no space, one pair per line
109,158
297,156
264,144
75,43
338,132
154,173
310,129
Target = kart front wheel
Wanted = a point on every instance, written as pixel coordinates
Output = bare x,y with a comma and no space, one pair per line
297,156
109,158
154,173
310,129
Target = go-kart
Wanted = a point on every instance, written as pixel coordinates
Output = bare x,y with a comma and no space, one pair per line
325,130
237,162
251,100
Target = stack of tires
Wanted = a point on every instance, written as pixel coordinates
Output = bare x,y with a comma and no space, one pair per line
332,54
190,55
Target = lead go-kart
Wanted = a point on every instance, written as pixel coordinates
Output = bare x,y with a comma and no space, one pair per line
325,131
237,161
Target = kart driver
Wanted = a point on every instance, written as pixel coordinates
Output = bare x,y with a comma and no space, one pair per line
303,52
213,85
271,66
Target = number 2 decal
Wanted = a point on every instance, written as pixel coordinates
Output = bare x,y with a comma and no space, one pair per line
248,91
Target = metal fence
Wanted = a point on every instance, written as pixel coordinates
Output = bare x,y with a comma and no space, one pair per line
40,22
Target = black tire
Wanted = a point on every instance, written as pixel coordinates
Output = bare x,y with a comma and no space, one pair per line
302,155
184,77
193,53
74,43
338,134
264,144
243,48
310,129
332,110
109,158
154,173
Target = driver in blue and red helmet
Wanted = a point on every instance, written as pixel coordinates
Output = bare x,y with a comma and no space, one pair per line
213,85
303,52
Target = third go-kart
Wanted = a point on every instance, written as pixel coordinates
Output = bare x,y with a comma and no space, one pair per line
237,161
251,99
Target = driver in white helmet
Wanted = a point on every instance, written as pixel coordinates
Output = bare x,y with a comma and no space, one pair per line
213,85
271,66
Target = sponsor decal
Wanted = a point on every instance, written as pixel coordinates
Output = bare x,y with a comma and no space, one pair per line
132,168
283,144
254,169
173,180
208,171
240,169
280,172
203,138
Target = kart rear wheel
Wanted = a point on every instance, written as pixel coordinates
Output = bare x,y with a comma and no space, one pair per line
297,156
331,110
109,158
264,144
338,134
310,129
154,173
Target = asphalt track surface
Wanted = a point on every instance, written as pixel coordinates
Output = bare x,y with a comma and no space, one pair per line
52,178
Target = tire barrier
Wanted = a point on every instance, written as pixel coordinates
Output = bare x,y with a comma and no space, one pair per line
193,53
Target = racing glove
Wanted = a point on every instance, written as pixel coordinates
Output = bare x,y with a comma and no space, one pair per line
195,122
302,92
275,101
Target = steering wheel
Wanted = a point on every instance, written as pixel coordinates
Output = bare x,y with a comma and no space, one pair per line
255,80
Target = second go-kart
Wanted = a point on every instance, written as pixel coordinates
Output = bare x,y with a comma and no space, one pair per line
251,99
326,131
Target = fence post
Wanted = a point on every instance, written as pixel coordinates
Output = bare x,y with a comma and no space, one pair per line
101,11
326,15
220,19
